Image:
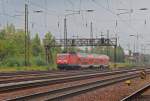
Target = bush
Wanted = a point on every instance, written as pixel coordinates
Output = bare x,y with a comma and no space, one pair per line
39,62
13,62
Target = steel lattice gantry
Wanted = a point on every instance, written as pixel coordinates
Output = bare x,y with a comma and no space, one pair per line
79,42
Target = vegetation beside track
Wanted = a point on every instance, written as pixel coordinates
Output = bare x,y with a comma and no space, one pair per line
121,65
51,67
28,68
12,49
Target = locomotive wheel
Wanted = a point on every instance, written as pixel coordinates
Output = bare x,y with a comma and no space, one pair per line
91,67
102,67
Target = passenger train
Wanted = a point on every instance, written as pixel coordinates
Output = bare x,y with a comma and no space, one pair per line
82,60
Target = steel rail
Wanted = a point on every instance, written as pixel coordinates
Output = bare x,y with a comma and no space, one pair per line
44,76
23,73
136,93
29,74
61,93
44,82
48,76
37,73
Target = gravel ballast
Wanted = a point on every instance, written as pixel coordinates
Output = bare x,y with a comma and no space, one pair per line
114,92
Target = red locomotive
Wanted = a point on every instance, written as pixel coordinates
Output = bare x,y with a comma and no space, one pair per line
81,60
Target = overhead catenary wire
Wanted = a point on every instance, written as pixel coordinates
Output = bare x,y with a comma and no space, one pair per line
112,12
3,9
70,2
46,13
81,13
122,3
108,3
18,17
50,12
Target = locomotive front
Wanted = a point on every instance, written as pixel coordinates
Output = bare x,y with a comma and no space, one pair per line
62,60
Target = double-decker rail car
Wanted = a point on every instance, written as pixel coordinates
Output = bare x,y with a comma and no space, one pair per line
81,60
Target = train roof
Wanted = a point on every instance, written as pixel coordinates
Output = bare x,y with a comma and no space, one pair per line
84,54
91,55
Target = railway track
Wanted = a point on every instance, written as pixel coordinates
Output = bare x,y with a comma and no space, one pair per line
11,77
44,81
134,96
55,75
33,73
100,83
43,76
64,92
37,73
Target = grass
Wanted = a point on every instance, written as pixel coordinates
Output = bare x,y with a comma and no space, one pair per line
51,67
121,65
28,68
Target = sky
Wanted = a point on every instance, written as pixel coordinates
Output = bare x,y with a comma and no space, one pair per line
107,15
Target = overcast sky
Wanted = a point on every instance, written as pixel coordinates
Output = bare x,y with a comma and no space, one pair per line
104,18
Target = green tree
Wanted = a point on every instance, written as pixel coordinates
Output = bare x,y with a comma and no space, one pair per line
36,45
110,52
12,47
2,34
50,40
120,54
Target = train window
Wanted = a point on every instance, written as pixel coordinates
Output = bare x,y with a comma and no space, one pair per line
62,56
